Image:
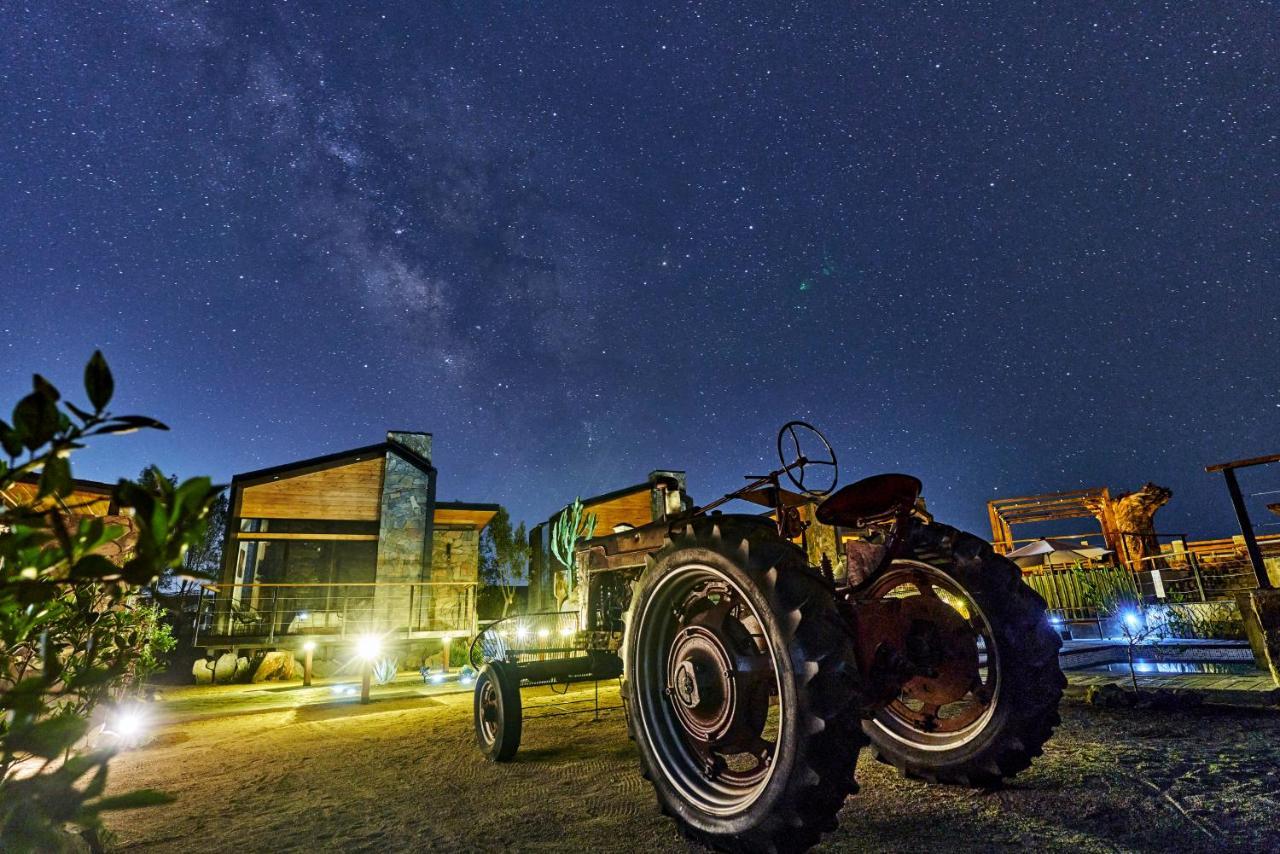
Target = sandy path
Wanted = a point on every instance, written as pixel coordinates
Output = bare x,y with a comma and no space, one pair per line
402,775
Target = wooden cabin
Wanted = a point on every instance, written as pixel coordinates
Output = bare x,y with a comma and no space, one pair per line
87,499
347,544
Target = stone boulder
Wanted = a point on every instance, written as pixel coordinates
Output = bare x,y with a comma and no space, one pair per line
224,669
242,669
323,668
277,666
202,670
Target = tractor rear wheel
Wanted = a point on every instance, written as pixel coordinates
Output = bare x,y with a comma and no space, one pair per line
741,688
993,701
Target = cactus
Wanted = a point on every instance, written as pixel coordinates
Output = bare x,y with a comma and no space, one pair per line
572,523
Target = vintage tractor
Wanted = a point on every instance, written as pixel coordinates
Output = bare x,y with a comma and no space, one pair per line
752,676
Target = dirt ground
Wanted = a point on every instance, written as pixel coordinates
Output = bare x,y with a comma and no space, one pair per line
401,774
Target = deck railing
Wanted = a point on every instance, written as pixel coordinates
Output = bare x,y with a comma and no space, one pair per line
270,613
1085,593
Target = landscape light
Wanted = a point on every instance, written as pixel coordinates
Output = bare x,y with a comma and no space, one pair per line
304,615
368,647
437,678
1132,620
129,722
309,646
566,632
522,633
543,633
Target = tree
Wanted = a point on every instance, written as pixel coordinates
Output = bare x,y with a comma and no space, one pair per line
504,557
71,633
204,558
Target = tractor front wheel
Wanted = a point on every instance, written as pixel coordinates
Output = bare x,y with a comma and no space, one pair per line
741,683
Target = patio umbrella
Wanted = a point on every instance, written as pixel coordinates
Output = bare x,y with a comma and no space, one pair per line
1052,552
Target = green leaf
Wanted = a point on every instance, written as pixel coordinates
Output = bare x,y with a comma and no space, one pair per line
48,738
10,439
130,423
36,420
56,478
133,800
45,388
79,413
94,566
98,382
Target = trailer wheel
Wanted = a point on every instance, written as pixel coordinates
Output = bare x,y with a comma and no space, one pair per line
497,711
986,717
741,686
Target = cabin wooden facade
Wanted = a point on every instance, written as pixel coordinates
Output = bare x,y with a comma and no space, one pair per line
87,499
347,544
660,495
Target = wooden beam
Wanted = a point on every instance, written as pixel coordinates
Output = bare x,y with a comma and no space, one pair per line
267,535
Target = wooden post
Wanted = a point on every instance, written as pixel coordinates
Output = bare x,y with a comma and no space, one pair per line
366,678
308,651
1246,528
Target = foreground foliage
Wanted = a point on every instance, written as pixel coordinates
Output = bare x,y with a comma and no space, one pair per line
72,641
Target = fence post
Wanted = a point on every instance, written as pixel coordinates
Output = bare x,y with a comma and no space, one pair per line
1195,573
195,630
275,615
409,621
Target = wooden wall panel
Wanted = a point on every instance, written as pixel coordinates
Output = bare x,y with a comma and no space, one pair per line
82,502
633,508
351,492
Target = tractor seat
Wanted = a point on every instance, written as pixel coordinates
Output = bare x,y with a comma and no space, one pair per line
871,499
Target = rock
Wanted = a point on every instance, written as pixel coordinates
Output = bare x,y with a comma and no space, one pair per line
277,666
224,669
202,670
323,668
1108,696
242,669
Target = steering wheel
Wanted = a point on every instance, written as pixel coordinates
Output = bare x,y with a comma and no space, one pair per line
789,437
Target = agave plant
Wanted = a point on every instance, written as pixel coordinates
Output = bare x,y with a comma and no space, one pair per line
384,670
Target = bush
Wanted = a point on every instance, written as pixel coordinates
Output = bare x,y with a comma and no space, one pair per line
71,636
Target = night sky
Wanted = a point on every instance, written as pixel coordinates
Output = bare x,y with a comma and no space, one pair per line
1007,248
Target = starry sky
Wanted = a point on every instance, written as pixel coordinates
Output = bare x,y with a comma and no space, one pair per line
1005,247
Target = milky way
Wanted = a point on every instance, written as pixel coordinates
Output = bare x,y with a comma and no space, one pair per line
1006,249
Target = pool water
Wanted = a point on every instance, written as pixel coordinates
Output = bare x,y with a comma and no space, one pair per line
1226,668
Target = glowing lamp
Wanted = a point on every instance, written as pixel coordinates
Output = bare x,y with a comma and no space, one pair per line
129,722
1132,620
522,633
564,633
309,646
543,633
368,647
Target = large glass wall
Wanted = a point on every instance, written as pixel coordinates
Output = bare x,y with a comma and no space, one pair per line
293,585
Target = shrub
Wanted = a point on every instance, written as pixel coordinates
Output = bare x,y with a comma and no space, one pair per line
70,635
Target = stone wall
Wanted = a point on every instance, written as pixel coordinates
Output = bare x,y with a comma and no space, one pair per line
408,499
455,557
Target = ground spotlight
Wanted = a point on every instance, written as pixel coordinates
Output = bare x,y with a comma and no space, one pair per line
368,647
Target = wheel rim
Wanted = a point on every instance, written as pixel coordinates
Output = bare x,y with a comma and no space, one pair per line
942,714
709,696
489,712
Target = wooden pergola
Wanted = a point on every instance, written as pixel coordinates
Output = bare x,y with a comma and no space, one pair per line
1094,504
